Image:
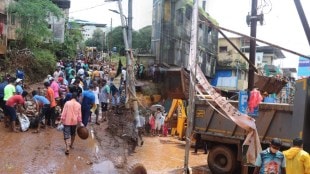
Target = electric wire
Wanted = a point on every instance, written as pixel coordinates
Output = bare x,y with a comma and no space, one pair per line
88,8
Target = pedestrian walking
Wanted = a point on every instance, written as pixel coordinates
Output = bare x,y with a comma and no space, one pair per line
88,100
95,90
271,160
140,123
104,98
200,143
158,121
297,160
152,124
71,116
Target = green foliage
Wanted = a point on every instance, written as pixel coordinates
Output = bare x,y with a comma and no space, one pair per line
43,65
116,38
32,17
142,39
73,37
97,40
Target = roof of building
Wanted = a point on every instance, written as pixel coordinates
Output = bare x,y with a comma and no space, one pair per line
267,50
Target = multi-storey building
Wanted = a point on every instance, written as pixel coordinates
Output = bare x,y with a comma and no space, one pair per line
232,69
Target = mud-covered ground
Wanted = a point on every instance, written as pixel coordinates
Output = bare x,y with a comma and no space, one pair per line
101,153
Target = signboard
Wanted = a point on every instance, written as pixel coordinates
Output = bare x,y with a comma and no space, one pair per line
243,104
303,67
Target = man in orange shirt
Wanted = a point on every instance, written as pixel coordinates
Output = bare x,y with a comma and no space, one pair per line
70,117
95,74
50,118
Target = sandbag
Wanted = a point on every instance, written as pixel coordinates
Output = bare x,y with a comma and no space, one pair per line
24,122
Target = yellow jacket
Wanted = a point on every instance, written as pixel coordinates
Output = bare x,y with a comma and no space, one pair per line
297,161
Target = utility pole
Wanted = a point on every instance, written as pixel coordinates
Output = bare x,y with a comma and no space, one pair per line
130,81
192,67
303,19
253,20
110,50
129,23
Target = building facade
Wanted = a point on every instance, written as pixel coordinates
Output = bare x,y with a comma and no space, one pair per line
232,69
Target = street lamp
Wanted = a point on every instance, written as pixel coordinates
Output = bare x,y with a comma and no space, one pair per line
117,12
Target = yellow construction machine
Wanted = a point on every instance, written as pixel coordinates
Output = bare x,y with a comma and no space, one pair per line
177,118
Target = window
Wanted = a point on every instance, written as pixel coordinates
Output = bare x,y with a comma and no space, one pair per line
188,12
49,26
12,19
223,49
179,18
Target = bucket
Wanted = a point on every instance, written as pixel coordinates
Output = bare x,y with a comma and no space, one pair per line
82,132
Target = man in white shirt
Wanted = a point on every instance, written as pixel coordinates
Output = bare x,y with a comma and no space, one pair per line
158,117
123,79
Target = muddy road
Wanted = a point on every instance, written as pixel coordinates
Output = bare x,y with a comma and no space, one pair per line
27,152
101,153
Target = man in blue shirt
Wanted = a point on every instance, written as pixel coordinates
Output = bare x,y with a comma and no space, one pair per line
18,86
88,100
41,103
271,160
2,86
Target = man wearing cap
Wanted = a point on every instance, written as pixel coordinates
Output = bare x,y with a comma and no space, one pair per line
297,160
18,87
271,160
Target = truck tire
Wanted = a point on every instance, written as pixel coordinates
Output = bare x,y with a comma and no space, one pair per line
137,168
222,160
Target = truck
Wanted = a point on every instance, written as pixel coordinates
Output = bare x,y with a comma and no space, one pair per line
225,139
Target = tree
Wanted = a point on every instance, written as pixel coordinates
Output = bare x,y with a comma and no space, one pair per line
97,40
143,38
115,38
140,39
73,38
32,17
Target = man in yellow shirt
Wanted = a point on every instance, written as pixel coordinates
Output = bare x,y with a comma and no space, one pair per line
297,160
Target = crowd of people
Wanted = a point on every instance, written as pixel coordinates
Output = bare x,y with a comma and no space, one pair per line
71,86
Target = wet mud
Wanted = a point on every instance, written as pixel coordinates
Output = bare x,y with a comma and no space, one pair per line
101,153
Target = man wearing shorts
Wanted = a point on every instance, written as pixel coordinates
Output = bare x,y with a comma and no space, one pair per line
43,105
11,103
104,98
70,117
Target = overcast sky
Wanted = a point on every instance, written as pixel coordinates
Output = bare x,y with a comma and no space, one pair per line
98,11
282,25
